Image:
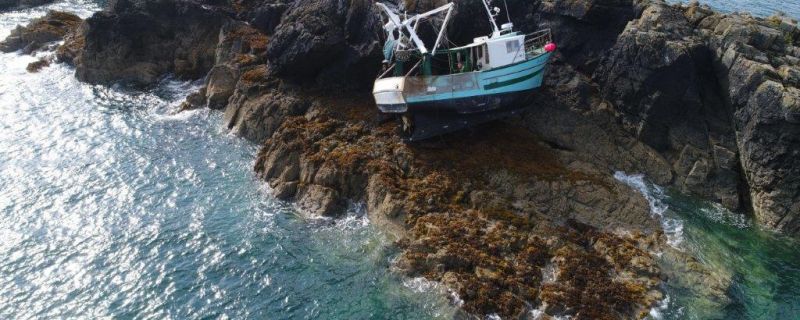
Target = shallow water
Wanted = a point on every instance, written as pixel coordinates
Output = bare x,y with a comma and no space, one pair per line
763,8
111,206
763,268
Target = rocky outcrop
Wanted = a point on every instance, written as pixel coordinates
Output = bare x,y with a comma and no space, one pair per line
704,88
140,41
473,216
41,32
327,41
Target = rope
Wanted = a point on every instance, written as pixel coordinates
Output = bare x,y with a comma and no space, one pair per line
508,14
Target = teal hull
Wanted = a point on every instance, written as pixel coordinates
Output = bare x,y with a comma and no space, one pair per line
515,78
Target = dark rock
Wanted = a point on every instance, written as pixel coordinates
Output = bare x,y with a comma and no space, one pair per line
38,65
142,40
266,17
769,147
41,32
194,100
327,40
725,158
285,190
698,174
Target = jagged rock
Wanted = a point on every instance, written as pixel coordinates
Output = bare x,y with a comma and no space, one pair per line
319,201
769,147
72,47
267,16
725,158
698,174
286,190
38,65
220,86
141,40
194,100
679,74
41,32
327,40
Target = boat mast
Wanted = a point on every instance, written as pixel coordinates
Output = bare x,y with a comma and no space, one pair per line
410,25
495,30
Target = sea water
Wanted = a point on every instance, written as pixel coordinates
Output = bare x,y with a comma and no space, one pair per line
762,8
761,267
113,206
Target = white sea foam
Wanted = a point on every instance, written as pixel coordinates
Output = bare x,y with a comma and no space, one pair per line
657,312
720,214
421,285
655,196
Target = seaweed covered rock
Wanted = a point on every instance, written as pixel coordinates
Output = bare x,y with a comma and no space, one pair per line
500,268
141,40
41,32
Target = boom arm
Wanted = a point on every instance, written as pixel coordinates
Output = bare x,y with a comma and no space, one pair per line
411,23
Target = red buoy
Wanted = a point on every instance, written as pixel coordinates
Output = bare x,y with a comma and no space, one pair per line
550,47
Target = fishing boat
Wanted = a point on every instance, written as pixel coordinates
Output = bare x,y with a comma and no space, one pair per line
435,90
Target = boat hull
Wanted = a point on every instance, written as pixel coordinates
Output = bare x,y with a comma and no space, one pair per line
463,93
431,119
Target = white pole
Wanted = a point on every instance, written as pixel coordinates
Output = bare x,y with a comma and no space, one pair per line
444,29
491,17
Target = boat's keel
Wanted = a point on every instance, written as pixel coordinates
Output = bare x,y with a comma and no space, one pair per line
418,126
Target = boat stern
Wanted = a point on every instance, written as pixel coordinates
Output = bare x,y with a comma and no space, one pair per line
389,95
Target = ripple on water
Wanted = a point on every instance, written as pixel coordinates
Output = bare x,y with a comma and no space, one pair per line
762,266
111,205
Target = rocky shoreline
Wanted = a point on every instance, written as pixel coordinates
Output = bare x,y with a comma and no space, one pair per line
517,217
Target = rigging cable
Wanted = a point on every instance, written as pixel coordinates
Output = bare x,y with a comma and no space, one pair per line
508,14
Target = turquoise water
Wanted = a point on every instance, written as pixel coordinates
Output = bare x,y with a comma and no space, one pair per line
111,206
762,8
759,270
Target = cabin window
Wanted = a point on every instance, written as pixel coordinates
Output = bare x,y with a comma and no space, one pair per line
512,46
480,52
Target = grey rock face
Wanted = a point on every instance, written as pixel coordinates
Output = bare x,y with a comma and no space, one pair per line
327,40
140,41
770,148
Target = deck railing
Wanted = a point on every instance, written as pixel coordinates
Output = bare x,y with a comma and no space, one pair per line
535,42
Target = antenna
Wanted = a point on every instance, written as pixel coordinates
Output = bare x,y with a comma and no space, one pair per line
508,13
